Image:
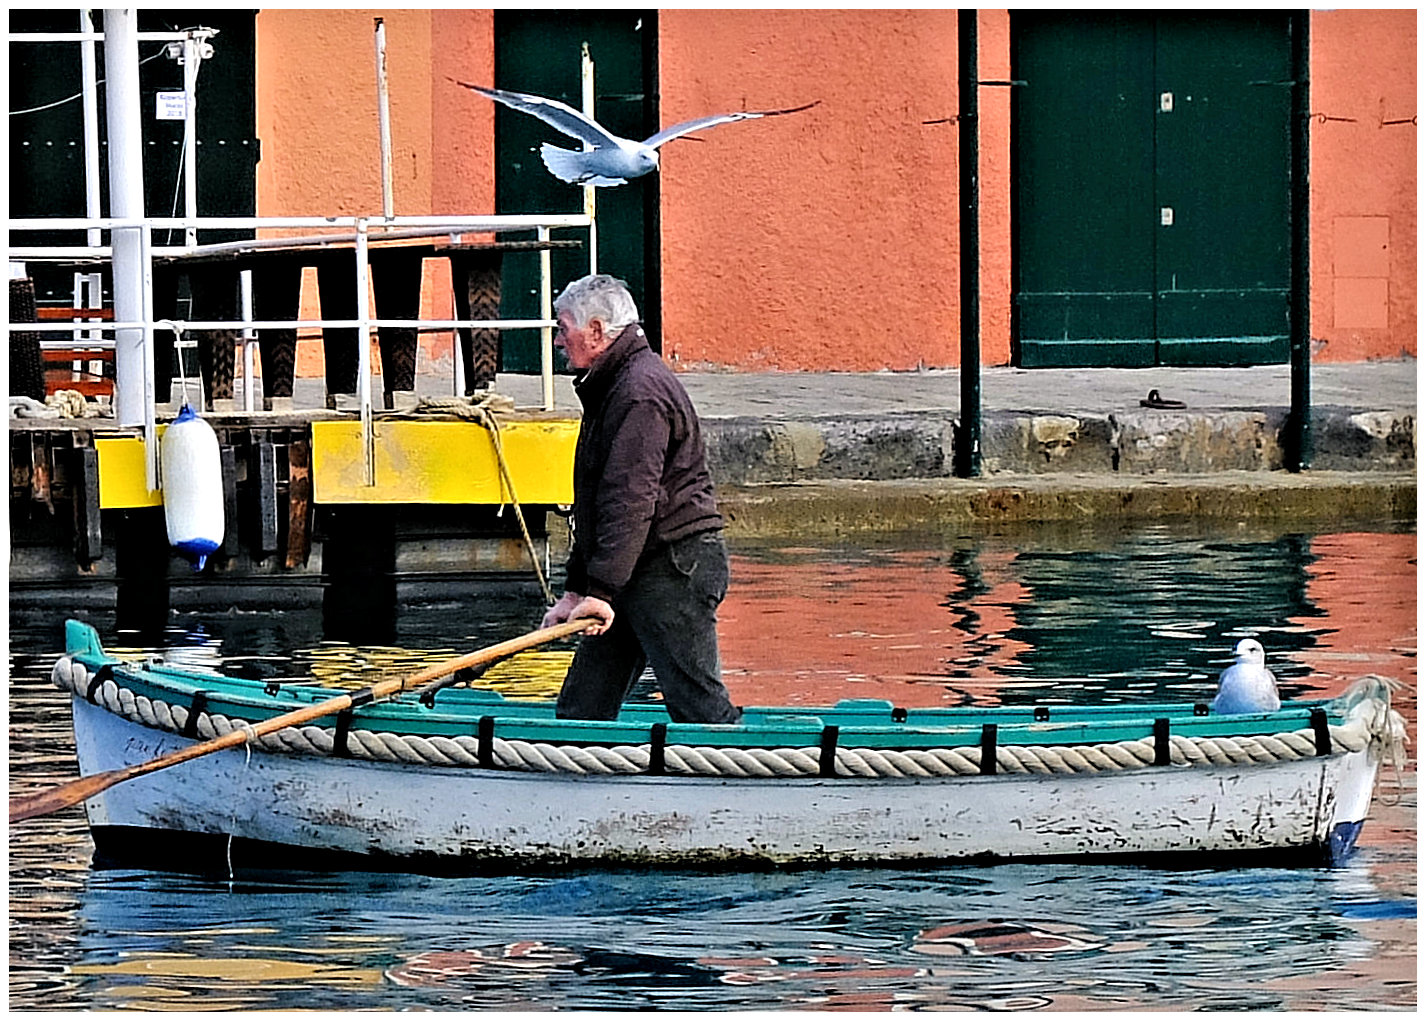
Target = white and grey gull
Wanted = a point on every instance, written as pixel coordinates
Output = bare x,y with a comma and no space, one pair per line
611,160
1247,686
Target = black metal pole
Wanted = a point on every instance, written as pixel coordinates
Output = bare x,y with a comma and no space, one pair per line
1298,441
967,446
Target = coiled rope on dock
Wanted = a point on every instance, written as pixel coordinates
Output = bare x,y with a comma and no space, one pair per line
1370,719
482,410
60,404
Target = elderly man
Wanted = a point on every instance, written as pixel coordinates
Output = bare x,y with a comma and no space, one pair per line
648,559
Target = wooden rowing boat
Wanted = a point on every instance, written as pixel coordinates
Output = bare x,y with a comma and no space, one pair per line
466,780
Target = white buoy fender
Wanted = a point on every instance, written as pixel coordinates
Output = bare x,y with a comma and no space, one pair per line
192,487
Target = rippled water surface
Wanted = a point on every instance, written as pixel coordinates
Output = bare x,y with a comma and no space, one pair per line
1058,615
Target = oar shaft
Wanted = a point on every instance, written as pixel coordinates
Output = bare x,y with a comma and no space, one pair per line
494,652
45,802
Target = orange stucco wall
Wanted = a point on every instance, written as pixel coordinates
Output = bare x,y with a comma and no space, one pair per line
1363,179
827,239
317,118
316,108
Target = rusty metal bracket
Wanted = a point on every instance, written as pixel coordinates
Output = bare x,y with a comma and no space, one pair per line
299,502
41,472
266,455
88,536
228,457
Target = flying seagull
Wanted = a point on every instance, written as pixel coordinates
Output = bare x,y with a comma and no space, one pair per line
1247,686
612,160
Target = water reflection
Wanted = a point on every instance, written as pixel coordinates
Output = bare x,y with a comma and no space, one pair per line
1147,616
1061,615
1067,938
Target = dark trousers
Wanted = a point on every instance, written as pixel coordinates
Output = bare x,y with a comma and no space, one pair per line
667,616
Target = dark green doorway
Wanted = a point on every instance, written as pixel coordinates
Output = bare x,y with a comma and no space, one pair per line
46,145
539,52
1150,181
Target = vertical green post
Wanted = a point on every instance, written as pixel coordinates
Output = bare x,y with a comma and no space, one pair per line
1297,454
967,445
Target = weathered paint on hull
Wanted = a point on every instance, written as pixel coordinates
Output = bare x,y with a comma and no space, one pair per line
423,815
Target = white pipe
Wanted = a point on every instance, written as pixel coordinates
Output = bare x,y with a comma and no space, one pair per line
93,200
383,117
80,284
245,288
587,80
191,58
151,445
98,37
90,100
126,199
364,354
440,225
547,336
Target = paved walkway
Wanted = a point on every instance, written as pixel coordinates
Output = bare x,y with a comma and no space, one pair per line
1361,386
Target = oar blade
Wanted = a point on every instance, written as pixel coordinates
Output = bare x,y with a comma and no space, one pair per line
28,806
43,803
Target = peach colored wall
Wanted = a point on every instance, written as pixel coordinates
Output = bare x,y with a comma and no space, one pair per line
833,242
1363,179
834,246
317,118
995,280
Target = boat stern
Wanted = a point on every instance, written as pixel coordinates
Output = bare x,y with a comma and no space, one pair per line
1367,702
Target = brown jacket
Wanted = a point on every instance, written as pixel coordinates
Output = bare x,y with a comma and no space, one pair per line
640,477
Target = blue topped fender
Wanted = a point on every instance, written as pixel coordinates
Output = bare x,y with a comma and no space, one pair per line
192,487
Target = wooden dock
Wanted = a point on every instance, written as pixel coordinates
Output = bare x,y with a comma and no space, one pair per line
298,505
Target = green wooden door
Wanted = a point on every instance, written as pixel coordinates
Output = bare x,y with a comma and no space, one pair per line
539,52
46,145
1151,181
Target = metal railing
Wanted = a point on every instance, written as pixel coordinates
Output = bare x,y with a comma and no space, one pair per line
358,231
192,46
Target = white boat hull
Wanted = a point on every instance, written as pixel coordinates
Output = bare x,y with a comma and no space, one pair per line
399,816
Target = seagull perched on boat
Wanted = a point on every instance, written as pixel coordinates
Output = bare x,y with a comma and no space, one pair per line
611,160
1247,686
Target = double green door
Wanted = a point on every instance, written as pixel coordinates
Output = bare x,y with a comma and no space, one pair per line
1150,188
539,52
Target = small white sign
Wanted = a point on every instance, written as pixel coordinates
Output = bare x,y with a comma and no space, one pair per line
17,271
1166,216
171,106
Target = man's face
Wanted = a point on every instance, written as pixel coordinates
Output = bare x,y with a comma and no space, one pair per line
580,347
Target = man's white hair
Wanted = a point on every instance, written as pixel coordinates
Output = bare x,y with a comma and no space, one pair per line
598,296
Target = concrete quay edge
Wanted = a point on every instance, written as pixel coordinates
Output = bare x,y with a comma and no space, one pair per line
843,507
746,449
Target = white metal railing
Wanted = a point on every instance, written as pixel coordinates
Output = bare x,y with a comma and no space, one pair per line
358,231
191,47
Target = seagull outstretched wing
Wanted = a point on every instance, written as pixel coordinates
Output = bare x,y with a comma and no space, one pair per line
554,113
699,123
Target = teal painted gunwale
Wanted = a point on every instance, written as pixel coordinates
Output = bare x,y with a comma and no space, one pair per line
861,723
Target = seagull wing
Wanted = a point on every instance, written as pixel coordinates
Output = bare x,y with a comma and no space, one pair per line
699,123
554,113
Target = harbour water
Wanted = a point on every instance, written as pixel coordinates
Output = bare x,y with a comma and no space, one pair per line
1063,615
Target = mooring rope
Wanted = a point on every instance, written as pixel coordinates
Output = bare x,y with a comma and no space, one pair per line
482,410
1370,720
60,404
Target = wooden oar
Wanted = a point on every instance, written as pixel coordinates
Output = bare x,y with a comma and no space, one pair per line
43,803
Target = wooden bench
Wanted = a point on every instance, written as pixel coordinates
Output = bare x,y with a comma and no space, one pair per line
77,365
